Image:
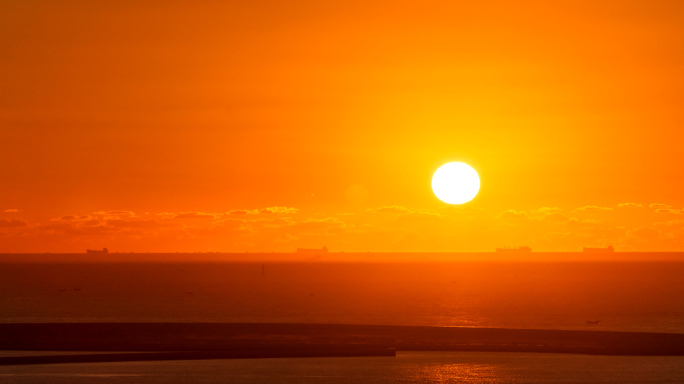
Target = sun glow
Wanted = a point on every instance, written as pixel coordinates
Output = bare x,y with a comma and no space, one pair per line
455,183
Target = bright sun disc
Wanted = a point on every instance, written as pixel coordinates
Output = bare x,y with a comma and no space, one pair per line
455,183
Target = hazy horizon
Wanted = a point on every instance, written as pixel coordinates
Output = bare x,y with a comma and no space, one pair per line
344,257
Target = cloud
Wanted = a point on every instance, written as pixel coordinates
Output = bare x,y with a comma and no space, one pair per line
11,210
629,205
391,209
134,224
284,228
121,213
513,214
671,223
114,214
73,218
669,210
14,223
594,208
194,215
279,210
420,217
267,210
546,209
660,206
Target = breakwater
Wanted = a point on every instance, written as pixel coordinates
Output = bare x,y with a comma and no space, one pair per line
185,341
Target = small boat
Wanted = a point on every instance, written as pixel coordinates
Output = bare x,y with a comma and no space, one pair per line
593,322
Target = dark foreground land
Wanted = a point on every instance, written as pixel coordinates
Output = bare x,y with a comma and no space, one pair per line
197,341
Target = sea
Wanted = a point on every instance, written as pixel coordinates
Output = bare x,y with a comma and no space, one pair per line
622,296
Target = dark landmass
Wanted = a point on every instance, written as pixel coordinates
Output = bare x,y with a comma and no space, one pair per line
364,257
332,351
188,341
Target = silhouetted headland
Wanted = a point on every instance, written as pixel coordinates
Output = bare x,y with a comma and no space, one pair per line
173,341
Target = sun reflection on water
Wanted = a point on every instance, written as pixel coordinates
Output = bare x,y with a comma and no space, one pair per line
457,373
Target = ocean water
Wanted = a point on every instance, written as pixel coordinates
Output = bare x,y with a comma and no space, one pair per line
406,367
623,296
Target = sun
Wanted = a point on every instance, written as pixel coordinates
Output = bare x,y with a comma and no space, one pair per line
455,183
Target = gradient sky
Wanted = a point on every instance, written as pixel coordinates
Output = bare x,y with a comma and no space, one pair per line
272,125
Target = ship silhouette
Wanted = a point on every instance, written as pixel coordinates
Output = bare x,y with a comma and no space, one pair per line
312,251
104,251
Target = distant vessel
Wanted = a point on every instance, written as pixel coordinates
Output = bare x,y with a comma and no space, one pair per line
310,251
514,250
97,252
599,250
593,322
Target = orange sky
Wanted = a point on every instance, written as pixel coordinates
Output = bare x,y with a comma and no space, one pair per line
148,127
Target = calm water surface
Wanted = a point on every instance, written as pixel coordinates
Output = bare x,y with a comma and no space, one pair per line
623,296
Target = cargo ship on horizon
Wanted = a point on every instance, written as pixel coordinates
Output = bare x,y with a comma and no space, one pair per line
104,251
312,251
